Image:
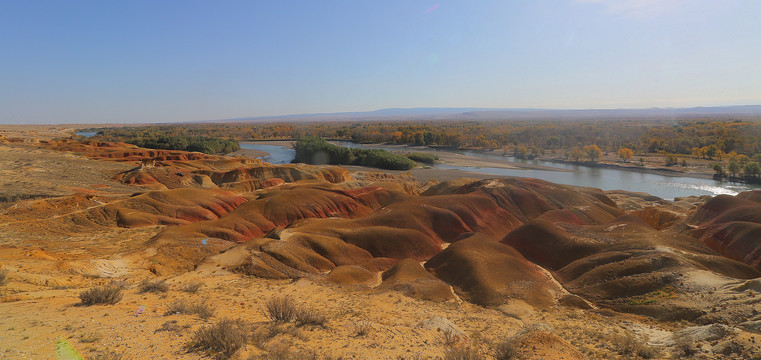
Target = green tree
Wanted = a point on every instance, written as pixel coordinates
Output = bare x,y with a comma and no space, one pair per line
743,159
718,169
752,169
534,151
520,152
733,167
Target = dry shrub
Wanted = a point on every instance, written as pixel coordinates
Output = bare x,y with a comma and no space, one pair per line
505,351
264,333
729,348
308,316
89,337
171,326
3,276
449,337
201,308
361,328
285,309
154,286
462,353
108,294
629,345
647,352
192,288
104,355
281,309
685,345
283,351
280,351
222,339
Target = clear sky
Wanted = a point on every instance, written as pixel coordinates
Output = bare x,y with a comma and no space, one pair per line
161,61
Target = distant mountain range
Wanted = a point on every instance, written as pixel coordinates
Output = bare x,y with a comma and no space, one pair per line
742,112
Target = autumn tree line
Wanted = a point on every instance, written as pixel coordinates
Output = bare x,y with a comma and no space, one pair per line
710,140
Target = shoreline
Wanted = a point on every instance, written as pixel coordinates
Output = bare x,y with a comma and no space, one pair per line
637,169
450,157
445,157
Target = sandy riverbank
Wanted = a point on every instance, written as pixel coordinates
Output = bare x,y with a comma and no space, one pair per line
253,154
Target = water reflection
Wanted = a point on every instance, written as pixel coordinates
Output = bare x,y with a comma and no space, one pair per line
667,187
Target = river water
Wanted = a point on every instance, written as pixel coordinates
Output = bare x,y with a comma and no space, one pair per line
667,187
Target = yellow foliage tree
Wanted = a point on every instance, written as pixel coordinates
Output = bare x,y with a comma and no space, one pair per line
593,152
625,154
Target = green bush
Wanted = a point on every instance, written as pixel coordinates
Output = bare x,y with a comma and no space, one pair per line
423,157
168,138
313,150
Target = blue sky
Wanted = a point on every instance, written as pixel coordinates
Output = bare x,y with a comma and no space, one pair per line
163,61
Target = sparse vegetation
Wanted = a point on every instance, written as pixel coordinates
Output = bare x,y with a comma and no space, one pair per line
628,345
361,328
730,348
89,337
109,294
310,316
201,308
192,287
170,326
462,353
265,332
222,339
3,276
154,286
281,309
285,309
685,345
449,337
107,355
505,350
282,351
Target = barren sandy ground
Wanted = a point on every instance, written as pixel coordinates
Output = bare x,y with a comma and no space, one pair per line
27,172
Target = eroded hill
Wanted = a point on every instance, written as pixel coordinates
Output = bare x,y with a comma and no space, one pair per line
400,269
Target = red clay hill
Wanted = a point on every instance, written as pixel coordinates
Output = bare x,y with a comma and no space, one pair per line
491,242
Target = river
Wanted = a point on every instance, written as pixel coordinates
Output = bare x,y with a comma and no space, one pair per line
667,187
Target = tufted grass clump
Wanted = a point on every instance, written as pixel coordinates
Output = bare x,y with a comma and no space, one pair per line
222,339
154,286
108,294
